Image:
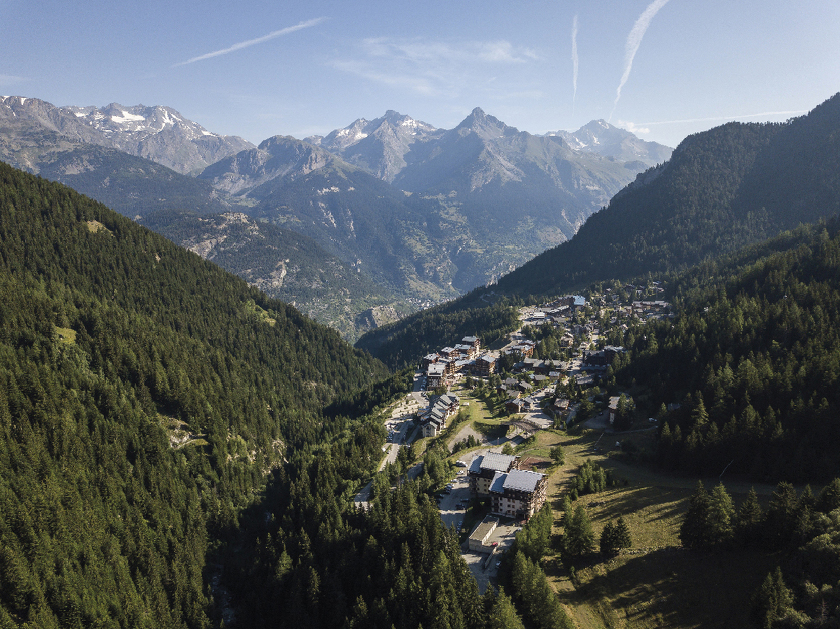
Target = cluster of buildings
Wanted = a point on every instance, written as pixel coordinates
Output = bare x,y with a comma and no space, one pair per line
442,366
513,493
433,419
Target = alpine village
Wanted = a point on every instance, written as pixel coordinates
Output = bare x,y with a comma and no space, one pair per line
335,382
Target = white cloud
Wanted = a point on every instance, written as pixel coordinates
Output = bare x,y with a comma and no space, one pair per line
631,127
634,40
253,42
431,67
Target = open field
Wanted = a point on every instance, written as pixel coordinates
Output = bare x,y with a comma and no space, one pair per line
656,583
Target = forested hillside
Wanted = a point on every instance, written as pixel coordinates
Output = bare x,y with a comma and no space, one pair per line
754,360
721,189
402,344
144,395
283,264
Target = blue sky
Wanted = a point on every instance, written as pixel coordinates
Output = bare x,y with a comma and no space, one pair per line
262,68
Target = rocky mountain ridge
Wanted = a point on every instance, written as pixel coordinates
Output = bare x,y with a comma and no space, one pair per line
158,133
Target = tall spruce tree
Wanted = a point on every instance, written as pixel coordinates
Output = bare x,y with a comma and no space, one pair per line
694,531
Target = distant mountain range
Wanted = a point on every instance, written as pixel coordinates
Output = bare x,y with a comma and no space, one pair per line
430,213
159,134
604,139
427,214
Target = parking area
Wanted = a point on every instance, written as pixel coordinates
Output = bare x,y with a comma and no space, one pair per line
452,504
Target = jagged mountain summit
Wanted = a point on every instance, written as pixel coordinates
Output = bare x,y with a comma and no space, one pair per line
277,158
463,205
158,133
599,136
378,146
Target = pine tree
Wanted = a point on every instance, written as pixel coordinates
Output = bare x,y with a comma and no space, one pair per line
772,600
578,538
829,498
721,514
502,614
749,520
694,531
607,543
622,533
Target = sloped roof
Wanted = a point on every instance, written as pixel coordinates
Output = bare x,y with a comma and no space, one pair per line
497,486
496,461
521,480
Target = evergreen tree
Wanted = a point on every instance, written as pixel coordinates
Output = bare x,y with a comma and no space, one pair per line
622,533
749,521
694,531
829,498
502,613
578,538
782,516
772,600
721,514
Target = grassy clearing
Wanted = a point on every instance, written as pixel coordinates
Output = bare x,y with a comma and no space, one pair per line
655,583
66,335
260,313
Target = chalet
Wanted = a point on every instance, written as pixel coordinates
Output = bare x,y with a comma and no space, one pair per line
484,468
485,365
532,364
433,420
523,348
613,408
449,365
473,341
429,359
561,405
448,352
466,351
515,406
525,387
517,493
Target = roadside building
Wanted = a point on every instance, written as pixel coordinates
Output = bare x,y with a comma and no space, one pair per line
479,538
434,375
433,420
485,365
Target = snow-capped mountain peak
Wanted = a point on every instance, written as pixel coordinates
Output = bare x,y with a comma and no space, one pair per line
158,133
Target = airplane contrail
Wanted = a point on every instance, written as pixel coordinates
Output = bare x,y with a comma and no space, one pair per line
634,40
574,62
252,42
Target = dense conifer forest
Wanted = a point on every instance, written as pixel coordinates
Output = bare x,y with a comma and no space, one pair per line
754,361
179,450
144,395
